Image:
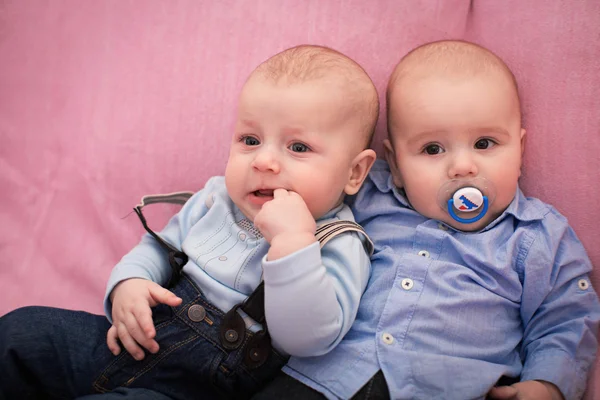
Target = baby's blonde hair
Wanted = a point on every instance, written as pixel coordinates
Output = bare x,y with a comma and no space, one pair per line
306,63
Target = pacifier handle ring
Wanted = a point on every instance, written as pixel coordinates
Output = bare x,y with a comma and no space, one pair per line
467,220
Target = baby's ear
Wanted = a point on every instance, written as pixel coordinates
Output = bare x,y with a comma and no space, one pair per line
390,157
523,140
361,165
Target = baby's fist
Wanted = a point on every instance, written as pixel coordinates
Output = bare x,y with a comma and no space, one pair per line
286,213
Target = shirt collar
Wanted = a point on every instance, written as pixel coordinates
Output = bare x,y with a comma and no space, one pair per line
381,177
525,210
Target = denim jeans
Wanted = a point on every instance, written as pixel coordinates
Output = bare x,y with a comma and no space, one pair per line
61,354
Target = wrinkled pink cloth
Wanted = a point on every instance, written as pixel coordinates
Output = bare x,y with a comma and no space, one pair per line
102,102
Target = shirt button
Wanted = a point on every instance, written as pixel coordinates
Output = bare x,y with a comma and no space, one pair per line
242,236
423,253
223,258
387,338
407,283
583,284
442,227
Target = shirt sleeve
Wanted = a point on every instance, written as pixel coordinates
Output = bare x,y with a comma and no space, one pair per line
148,260
559,307
312,295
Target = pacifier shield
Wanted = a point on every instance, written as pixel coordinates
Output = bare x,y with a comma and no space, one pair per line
468,199
472,191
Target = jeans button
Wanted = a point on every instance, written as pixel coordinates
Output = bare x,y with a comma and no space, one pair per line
196,313
231,335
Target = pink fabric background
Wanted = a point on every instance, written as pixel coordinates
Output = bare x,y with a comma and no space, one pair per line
102,102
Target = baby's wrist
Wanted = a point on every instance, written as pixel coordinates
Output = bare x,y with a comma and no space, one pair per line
289,242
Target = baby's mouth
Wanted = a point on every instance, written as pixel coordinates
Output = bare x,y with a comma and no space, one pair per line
263,193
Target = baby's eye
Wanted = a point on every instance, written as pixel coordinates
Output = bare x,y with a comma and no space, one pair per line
483,144
433,149
249,141
299,148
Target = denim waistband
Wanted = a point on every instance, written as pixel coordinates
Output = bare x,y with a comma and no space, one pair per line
196,311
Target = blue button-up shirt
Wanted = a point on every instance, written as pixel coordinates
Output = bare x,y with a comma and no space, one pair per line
447,313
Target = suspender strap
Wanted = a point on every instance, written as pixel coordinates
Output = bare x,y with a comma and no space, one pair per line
326,232
177,258
254,305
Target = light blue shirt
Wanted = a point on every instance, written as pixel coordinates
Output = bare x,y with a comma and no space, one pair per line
447,313
311,295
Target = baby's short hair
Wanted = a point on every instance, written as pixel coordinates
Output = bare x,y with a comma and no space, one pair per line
306,63
453,57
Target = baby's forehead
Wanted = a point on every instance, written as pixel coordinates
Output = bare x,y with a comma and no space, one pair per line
438,95
427,81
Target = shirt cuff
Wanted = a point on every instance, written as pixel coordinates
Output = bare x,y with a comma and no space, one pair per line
287,269
559,368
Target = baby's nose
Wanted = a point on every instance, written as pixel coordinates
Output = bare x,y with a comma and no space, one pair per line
266,161
462,165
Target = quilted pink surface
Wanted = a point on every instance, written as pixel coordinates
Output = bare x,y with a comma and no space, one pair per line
104,101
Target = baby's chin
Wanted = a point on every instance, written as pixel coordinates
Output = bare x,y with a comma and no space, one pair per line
470,227
445,218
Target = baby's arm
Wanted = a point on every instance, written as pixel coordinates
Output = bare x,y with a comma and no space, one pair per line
135,282
312,294
559,308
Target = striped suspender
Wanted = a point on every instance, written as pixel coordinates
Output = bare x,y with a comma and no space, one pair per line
328,231
177,258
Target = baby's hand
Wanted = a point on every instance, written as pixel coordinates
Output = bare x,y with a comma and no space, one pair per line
286,223
527,390
132,316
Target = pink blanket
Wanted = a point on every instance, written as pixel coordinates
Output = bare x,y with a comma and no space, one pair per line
102,102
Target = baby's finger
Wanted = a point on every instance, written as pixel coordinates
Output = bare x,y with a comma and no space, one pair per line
160,295
138,334
143,316
277,193
293,194
503,393
144,332
129,343
112,342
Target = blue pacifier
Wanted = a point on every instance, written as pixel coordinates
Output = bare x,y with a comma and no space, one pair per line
461,198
